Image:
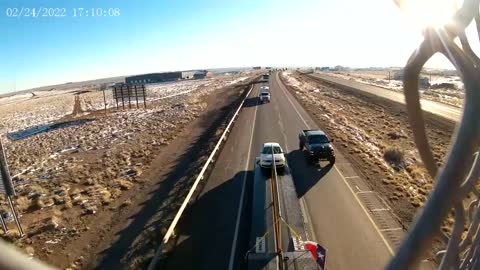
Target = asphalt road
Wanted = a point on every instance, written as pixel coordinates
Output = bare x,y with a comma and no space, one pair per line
444,110
215,230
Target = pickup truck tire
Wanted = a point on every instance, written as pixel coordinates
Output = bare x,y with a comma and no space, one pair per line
331,160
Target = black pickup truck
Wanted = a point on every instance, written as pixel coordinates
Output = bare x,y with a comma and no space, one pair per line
317,146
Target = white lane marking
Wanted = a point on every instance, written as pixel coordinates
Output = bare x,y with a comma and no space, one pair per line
303,204
379,209
364,191
295,108
393,229
389,248
351,177
366,213
384,202
239,212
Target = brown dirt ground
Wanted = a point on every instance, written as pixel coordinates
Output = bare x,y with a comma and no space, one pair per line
131,222
364,128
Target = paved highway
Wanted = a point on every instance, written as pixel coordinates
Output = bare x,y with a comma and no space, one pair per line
339,211
444,110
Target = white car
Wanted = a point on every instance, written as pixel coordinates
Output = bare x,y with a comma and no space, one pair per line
265,160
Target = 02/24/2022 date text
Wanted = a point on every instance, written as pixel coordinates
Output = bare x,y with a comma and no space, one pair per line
44,12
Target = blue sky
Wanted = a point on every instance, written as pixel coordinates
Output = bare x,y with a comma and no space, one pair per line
153,35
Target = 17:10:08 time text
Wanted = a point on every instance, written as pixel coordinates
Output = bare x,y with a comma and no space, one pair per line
96,12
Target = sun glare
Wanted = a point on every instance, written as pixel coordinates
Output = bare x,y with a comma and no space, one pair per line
429,13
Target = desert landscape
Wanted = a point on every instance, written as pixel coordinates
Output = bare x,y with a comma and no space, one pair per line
65,177
444,86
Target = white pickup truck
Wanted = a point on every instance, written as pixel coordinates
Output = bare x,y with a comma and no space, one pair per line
264,95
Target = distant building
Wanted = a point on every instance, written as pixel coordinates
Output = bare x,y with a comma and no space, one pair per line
154,78
200,75
257,67
423,81
194,74
309,70
186,75
339,68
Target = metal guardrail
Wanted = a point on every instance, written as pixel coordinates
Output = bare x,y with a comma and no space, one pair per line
457,182
171,228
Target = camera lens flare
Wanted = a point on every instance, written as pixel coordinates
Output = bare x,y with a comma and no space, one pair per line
429,13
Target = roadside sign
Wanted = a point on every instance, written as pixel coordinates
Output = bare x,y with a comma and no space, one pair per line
6,185
126,94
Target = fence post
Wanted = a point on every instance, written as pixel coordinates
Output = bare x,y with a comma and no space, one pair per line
105,101
128,93
144,96
115,95
136,96
123,97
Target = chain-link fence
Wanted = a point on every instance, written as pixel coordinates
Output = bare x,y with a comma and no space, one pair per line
456,191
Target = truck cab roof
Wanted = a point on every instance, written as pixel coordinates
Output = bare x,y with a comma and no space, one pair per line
314,132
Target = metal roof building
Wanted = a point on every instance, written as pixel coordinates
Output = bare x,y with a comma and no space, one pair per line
154,78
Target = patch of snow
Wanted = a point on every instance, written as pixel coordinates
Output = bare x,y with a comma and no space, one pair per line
241,79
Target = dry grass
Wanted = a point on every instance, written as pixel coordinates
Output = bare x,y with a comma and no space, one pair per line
49,201
125,203
75,191
12,235
29,250
68,204
140,262
36,189
76,200
395,157
52,223
124,184
38,203
106,197
115,193
23,203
